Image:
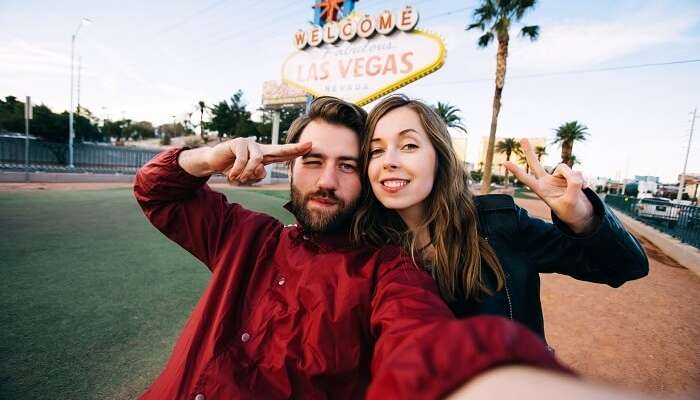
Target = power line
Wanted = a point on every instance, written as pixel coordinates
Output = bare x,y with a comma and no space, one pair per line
446,13
571,72
190,17
240,33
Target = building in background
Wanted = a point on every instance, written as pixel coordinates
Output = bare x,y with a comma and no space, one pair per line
500,158
459,144
692,182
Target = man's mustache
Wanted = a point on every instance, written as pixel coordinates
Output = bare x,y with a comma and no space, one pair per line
325,195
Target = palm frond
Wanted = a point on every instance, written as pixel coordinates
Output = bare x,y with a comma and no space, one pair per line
450,115
570,132
508,146
532,32
522,7
485,39
479,25
486,12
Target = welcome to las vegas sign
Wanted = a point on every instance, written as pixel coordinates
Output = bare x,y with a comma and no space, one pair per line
362,58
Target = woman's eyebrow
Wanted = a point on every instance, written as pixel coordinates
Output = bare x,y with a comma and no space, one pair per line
403,132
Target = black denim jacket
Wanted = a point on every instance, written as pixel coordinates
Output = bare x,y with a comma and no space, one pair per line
529,246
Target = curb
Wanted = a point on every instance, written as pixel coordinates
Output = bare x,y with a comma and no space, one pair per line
73,177
684,254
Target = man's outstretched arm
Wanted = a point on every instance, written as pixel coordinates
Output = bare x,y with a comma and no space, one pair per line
171,189
422,351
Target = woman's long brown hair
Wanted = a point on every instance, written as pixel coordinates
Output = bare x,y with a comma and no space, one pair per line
451,215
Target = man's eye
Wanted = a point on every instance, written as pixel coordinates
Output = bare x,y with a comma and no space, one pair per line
347,168
312,163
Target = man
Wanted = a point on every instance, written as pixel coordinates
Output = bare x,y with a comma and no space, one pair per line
299,311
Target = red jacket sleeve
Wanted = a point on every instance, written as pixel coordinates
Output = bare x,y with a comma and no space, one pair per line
423,352
185,209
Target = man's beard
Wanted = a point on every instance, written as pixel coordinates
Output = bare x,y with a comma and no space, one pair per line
318,221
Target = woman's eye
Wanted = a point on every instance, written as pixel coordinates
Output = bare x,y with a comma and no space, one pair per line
375,152
409,146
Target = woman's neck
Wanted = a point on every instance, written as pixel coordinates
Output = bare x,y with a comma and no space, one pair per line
414,217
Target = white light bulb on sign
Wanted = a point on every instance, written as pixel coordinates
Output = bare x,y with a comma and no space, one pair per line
348,29
407,19
331,33
385,23
365,27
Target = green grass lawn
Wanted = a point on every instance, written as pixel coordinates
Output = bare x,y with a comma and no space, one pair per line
92,297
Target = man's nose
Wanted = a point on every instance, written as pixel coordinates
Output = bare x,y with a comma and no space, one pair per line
329,178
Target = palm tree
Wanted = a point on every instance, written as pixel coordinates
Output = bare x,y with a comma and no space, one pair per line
567,134
201,119
541,151
522,159
494,18
508,146
450,114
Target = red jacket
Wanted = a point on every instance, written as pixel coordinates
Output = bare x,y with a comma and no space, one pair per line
289,314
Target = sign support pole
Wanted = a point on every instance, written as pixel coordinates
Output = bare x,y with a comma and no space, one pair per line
27,117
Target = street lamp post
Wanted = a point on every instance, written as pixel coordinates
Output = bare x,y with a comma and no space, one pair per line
71,133
681,184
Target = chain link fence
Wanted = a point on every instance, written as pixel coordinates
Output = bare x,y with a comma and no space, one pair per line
53,157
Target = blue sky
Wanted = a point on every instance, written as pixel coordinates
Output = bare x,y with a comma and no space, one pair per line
151,60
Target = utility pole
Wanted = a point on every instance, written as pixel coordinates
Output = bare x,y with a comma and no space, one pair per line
681,184
71,133
80,63
27,117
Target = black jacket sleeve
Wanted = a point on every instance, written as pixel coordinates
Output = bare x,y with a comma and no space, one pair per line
609,254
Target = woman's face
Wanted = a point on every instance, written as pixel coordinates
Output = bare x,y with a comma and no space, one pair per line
402,161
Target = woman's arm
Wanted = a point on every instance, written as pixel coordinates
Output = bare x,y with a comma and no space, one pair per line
609,254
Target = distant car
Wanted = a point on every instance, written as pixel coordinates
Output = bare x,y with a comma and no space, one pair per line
658,208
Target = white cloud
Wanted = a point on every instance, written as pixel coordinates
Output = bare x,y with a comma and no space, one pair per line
580,43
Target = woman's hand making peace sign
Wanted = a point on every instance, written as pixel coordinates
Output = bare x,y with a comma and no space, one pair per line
561,190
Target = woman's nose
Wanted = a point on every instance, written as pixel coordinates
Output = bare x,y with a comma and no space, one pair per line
391,160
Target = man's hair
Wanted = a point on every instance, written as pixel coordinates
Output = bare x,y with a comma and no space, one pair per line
334,111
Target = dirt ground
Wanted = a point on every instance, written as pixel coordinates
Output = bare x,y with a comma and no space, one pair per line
644,335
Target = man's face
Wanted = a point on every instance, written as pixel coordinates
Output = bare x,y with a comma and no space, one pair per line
325,182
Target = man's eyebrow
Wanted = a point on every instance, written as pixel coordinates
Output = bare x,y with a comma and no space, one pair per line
313,155
323,157
403,132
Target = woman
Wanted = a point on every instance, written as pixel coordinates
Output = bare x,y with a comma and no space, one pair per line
484,252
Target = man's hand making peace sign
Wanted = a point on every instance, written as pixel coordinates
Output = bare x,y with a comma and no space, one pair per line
240,160
561,190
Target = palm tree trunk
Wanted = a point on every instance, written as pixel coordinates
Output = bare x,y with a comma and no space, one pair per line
506,169
501,57
566,148
201,124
